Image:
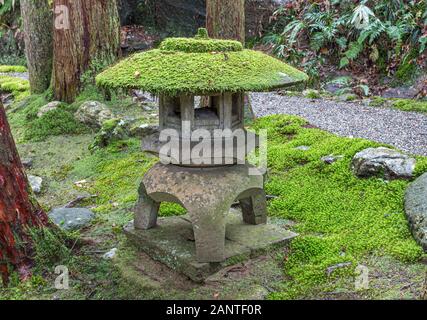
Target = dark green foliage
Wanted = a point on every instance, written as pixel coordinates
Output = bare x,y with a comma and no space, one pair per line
378,32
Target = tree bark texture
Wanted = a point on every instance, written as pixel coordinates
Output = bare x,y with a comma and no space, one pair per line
225,19
38,31
18,208
86,33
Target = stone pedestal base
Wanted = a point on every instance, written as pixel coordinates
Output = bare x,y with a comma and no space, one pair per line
207,194
172,243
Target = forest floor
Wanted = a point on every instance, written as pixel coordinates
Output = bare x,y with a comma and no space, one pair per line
343,222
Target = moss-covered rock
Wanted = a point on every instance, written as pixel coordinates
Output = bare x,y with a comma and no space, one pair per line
112,130
18,87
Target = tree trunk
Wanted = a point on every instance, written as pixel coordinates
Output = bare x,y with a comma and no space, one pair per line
225,19
18,208
86,35
38,30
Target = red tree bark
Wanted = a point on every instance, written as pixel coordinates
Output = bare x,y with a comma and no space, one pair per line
18,208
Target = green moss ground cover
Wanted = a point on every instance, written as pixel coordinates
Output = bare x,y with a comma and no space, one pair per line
401,104
411,105
7,69
340,218
56,122
20,88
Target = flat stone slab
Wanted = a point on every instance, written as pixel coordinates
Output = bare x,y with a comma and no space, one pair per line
71,218
172,243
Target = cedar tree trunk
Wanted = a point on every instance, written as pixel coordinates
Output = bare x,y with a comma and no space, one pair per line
18,208
225,19
86,33
38,30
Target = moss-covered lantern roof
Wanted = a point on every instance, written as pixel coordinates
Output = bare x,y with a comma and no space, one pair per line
199,66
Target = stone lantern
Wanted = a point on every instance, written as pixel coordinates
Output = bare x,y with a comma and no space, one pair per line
201,85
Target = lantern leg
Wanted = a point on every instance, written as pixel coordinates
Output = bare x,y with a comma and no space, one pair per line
209,234
254,208
146,210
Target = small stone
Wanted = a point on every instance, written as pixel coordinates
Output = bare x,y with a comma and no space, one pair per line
36,184
71,218
416,209
383,163
303,148
48,107
401,92
333,268
331,159
144,130
27,163
93,114
110,254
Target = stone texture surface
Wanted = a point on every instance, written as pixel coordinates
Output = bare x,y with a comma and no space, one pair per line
331,159
93,114
36,183
144,130
169,243
416,209
27,163
48,107
71,218
112,130
383,162
207,194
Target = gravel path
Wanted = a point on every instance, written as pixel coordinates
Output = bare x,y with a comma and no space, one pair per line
22,75
404,130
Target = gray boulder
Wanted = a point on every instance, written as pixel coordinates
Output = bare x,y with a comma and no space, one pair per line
71,218
416,209
144,130
36,183
384,163
27,163
93,114
48,107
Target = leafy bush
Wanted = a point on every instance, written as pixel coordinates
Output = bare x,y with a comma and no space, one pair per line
384,33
